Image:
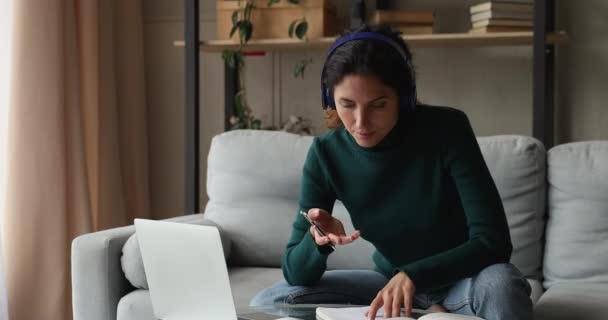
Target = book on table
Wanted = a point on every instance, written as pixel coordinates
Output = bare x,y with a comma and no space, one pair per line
358,313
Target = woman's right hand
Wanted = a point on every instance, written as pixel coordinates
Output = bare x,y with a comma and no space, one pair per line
332,227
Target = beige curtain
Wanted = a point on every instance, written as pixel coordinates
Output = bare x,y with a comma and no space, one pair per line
77,141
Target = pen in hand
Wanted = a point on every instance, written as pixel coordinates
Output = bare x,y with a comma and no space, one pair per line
317,228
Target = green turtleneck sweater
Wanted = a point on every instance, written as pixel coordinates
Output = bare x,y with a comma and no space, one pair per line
423,197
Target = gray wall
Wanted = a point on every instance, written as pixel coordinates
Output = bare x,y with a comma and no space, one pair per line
492,85
582,75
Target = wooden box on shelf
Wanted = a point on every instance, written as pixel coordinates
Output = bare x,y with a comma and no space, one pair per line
273,22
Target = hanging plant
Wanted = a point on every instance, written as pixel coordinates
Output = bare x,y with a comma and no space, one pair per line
241,23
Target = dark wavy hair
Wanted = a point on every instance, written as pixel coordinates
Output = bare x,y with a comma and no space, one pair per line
370,58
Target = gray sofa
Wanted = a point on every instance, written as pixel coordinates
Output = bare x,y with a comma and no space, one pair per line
556,204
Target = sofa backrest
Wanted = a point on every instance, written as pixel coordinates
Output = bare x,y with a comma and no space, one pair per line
517,165
253,182
577,226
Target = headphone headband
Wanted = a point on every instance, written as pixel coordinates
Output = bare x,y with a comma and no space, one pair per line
326,96
366,35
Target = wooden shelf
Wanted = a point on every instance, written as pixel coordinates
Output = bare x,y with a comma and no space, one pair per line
415,41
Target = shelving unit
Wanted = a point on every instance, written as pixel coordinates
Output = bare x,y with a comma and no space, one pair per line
543,39
438,40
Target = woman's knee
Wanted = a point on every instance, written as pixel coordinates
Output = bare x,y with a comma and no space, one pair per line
501,289
501,280
276,294
337,286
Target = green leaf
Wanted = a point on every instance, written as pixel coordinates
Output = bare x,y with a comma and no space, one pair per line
294,1
246,31
238,58
232,58
271,2
226,55
249,31
234,28
256,124
238,103
298,70
301,29
242,32
300,67
247,12
235,17
291,28
229,57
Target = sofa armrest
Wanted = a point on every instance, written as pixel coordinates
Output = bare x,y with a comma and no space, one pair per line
98,282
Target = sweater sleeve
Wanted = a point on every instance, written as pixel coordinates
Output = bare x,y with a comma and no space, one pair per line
304,262
488,241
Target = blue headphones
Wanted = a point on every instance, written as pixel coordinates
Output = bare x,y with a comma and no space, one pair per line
407,103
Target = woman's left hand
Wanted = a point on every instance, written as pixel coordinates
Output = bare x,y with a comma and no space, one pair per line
399,291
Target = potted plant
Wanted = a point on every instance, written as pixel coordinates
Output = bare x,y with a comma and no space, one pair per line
242,24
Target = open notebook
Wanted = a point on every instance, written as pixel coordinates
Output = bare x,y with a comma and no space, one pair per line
358,313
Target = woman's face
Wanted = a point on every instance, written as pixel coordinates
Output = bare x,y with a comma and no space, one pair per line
367,107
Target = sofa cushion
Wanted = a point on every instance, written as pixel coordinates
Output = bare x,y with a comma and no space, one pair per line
568,301
244,283
517,165
132,263
253,181
135,305
536,289
131,259
577,226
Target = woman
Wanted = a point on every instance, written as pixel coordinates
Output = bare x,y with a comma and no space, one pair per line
415,185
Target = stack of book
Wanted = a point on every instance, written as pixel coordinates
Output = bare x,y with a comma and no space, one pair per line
502,16
405,21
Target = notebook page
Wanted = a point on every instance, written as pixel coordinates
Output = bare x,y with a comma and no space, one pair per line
354,313
358,313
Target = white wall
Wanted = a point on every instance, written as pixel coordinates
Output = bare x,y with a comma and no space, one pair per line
492,85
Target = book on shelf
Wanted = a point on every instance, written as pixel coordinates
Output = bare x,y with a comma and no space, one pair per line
358,313
498,14
511,6
500,29
402,17
503,23
413,29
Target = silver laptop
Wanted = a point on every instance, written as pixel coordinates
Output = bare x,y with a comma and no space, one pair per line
186,271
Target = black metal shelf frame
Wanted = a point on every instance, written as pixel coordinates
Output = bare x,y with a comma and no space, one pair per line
542,86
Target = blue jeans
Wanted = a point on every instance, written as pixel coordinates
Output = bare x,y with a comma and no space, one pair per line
496,292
